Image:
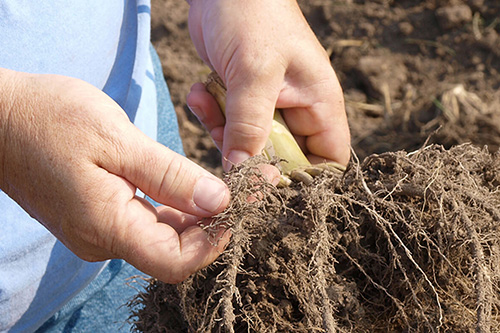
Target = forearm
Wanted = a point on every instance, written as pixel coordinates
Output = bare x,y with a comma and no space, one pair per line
8,81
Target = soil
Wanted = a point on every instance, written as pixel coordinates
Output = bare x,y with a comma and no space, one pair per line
395,60
399,243
407,238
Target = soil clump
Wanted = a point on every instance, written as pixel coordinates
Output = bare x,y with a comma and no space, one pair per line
400,242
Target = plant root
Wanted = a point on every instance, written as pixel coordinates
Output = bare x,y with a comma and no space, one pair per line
399,242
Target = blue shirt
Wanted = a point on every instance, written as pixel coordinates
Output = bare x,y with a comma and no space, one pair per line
105,43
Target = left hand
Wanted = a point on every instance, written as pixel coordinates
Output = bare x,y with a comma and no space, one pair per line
268,57
71,158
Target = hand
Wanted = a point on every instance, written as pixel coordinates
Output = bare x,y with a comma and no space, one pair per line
268,58
71,158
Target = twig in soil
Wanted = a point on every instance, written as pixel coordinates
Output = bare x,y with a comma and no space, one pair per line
432,43
475,26
370,109
387,100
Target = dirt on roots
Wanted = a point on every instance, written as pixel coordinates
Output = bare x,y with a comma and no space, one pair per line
400,242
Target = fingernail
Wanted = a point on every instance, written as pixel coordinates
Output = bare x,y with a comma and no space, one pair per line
209,193
195,110
235,157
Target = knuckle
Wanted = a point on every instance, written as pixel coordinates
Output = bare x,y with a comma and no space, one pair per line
172,177
248,132
254,68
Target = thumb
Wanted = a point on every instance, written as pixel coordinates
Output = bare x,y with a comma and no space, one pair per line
250,106
156,248
169,178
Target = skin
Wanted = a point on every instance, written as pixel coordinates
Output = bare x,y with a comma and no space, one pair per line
267,61
72,159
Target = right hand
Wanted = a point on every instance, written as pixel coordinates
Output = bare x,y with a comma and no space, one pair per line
72,159
268,57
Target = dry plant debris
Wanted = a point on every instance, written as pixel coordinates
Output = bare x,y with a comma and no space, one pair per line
400,242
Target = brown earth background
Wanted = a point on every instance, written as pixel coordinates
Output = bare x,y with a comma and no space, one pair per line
407,68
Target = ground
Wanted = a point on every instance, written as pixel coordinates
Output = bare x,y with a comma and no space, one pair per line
399,63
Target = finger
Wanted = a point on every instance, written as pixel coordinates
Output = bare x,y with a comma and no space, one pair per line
178,220
317,114
250,105
312,109
324,132
301,141
205,108
217,135
165,176
158,250
271,173
331,144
